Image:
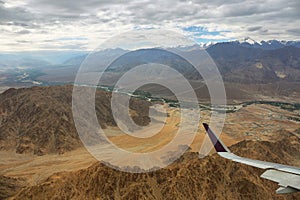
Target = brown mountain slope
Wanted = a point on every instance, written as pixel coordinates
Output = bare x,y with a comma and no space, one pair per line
39,119
10,186
189,178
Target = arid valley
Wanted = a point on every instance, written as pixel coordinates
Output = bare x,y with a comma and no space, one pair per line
258,130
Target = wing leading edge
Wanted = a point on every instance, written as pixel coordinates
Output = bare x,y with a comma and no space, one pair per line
287,177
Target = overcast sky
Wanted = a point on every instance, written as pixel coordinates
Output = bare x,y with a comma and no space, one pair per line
83,25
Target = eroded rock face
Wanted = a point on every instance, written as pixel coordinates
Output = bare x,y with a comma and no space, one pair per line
39,120
10,186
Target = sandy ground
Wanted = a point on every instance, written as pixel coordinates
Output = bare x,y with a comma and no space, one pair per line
164,136
37,168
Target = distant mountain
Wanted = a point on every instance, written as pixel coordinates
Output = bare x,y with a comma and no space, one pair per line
15,60
242,64
132,59
245,42
97,60
243,61
266,45
49,58
37,58
237,63
193,47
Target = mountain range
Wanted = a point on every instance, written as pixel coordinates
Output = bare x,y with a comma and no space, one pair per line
46,58
249,69
39,121
238,62
188,178
266,45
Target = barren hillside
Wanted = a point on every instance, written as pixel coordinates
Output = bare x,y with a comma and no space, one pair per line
39,119
189,178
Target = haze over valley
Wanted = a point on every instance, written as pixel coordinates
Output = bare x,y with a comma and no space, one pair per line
250,71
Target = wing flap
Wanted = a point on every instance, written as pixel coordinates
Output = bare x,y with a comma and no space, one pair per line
286,190
286,180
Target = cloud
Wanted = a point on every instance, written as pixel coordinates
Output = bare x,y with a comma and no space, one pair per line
23,41
254,28
14,14
99,20
70,39
23,32
295,31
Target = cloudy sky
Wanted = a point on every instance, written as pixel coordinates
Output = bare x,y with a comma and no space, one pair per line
83,25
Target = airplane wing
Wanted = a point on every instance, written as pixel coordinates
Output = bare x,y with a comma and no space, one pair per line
287,177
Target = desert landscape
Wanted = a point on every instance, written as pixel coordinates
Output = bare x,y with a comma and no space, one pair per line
149,100
255,130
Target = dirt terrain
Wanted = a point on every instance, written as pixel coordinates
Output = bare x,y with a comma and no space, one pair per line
39,120
259,131
188,178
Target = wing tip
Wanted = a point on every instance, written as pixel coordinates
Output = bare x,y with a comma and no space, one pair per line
218,144
206,126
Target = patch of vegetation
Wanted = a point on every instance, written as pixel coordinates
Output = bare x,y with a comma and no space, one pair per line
285,106
170,101
230,111
297,119
142,93
174,105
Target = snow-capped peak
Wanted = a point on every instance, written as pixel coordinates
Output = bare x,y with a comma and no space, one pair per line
206,45
267,45
248,40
